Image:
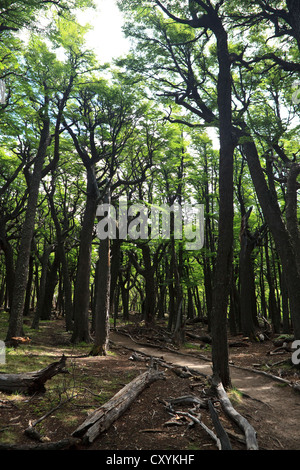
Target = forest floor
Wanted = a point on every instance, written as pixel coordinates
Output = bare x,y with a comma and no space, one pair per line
271,406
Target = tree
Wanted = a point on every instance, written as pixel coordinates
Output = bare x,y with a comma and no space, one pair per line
173,45
44,86
271,141
21,274
16,15
101,125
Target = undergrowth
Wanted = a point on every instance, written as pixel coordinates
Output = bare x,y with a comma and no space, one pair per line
71,396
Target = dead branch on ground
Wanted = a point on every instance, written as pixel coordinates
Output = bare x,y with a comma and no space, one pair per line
102,418
31,382
243,424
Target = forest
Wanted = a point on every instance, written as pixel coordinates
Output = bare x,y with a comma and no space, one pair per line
203,112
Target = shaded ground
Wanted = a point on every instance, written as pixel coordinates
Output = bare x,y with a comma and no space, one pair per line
271,407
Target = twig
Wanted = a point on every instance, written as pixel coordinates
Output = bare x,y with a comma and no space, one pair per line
197,421
31,432
61,403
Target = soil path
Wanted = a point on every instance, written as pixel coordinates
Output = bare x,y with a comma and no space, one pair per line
273,409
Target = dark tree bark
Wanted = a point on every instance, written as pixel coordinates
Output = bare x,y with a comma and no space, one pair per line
209,244
223,268
286,327
248,306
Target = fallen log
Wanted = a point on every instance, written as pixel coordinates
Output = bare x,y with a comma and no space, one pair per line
31,382
204,339
102,418
244,425
187,400
183,372
238,344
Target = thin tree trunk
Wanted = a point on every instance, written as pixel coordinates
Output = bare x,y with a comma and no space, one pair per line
248,241
115,269
148,273
68,304
102,305
50,288
292,209
9,262
279,231
41,298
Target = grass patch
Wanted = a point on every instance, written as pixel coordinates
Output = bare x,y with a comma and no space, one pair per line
7,436
235,396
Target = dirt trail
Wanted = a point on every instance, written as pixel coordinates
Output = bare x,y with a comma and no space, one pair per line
273,409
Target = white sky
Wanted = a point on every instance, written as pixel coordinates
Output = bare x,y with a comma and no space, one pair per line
106,38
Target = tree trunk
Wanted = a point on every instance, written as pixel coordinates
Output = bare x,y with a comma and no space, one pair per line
50,288
68,304
9,262
150,291
41,298
292,209
273,308
115,269
285,306
28,288
21,273
102,301
282,238
248,306
223,268
125,297
81,330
